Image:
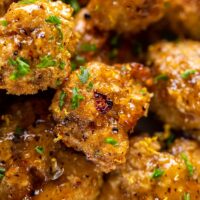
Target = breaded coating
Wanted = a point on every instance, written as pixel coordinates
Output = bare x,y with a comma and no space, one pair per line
102,46
125,16
91,41
4,4
33,165
36,41
150,173
175,68
184,17
96,108
78,181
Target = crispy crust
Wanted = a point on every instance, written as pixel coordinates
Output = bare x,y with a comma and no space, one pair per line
110,108
32,42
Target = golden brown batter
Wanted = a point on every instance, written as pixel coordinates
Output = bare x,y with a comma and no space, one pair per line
125,16
176,75
96,108
36,41
34,166
150,173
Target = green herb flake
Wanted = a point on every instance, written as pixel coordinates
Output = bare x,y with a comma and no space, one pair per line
76,98
39,150
22,67
84,75
60,33
188,164
90,86
19,131
157,173
110,140
113,53
188,73
137,48
62,65
160,77
27,1
51,38
114,41
53,20
58,82
62,100
87,47
2,172
170,139
186,196
4,23
74,4
143,91
12,62
73,66
46,61
124,68
80,59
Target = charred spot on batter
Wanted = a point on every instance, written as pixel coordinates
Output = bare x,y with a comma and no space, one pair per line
103,103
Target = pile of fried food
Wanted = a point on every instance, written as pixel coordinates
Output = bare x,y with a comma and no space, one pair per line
100,100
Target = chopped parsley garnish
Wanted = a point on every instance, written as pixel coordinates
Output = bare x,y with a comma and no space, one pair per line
58,82
137,48
22,67
39,150
19,131
4,23
76,98
186,196
188,164
84,76
27,1
170,139
157,173
56,21
62,65
73,66
143,91
12,62
60,33
62,99
80,59
46,61
160,77
88,47
124,68
53,20
2,172
110,140
113,53
114,41
74,4
90,86
187,73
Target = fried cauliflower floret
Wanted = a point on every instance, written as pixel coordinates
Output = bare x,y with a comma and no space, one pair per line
184,17
91,41
78,181
152,174
4,4
175,68
36,44
125,16
36,166
96,108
